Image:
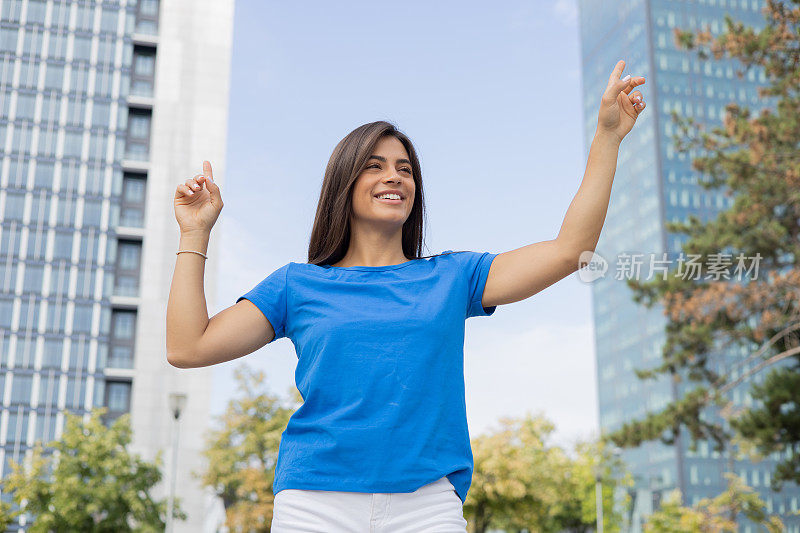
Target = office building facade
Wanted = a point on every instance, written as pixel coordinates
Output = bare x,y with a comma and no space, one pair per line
655,184
105,107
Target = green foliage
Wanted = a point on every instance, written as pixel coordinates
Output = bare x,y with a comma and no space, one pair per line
7,515
593,459
752,158
521,481
90,482
715,515
775,423
241,454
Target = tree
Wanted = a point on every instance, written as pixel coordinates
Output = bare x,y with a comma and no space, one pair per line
774,424
521,481
517,476
713,515
593,458
754,160
7,515
90,481
243,452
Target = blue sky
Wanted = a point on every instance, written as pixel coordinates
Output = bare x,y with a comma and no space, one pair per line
491,96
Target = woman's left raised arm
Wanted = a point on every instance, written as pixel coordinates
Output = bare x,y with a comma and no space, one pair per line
521,273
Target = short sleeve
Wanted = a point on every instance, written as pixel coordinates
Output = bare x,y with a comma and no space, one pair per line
475,270
270,297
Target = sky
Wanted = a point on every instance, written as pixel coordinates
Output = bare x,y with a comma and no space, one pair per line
490,94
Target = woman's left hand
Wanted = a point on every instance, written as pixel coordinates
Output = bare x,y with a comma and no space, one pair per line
619,107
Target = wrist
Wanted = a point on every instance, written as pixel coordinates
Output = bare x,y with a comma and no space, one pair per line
607,137
195,240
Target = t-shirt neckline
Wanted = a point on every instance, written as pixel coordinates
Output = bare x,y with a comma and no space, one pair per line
373,268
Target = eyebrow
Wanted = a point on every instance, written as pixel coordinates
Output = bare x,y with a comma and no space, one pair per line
380,158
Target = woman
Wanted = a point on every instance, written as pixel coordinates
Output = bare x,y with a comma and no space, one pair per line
381,441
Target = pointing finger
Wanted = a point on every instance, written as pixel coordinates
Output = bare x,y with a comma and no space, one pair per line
207,170
616,73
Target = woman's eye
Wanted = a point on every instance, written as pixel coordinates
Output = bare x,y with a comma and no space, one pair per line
378,166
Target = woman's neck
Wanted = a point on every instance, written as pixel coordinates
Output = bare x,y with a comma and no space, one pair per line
374,248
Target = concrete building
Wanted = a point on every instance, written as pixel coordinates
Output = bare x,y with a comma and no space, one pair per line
655,184
105,107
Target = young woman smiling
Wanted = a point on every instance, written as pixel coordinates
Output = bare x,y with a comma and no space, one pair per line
381,441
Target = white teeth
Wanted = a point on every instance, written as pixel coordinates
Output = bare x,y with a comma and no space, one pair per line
390,196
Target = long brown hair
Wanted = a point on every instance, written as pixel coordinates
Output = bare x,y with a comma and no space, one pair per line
330,235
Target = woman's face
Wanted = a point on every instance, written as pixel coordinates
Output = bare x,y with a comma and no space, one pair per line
388,169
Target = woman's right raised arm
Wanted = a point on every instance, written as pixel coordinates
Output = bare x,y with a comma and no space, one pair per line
192,339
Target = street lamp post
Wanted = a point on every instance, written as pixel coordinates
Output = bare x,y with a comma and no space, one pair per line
616,452
177,401
598,489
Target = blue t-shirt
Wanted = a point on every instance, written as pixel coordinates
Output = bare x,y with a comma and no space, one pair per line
381,371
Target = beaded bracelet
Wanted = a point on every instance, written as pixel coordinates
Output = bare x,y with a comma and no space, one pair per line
201,253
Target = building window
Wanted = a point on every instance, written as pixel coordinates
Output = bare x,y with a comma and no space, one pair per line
101,114
121,357
45,428
57,312
103,81
133,200
22,139
122,337
34,274
117,399
79,356
136,152
147,17
11,11
48,389
127,268
21,385
17,428
92,210
29,73
25,353
26,104
123,324
139,126
138,139
109,18
52,357
82,317
82,48
143,71
76,392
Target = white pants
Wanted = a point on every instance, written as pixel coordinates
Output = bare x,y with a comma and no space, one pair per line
432,508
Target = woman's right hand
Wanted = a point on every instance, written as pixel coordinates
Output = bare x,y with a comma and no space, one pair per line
197,207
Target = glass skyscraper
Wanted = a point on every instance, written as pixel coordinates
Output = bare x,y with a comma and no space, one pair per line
105,106
654,184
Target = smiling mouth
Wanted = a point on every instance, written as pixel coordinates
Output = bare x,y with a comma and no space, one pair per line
389,200
391,197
